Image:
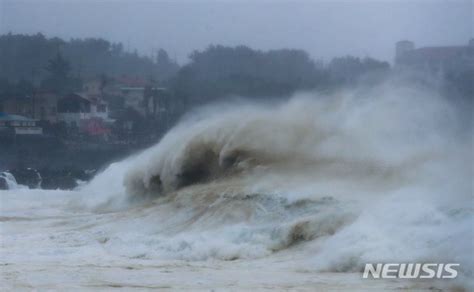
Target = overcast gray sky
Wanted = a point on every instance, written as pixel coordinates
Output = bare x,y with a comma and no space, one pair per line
323,28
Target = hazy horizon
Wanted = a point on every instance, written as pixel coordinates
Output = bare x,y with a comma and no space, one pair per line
324,29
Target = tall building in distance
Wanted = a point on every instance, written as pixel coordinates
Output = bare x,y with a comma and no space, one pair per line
401,48
437,59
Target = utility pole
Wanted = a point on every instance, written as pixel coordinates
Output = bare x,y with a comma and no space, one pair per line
33,97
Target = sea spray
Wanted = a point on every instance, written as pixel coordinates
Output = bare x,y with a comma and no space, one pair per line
361,176
9,180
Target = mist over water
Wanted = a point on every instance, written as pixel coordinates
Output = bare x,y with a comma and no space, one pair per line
367,175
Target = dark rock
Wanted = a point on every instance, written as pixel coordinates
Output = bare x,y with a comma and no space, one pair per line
27,176
46,178
64,179
62,182
3,183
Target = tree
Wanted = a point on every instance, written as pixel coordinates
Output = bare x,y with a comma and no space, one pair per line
58,67
58,80
221,71
166,68
348,70
88,57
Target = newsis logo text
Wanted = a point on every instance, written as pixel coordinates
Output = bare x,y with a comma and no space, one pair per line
411,271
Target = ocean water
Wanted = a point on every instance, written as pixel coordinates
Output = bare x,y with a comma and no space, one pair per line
294,195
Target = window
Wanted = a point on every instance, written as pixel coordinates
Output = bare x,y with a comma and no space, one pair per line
101,108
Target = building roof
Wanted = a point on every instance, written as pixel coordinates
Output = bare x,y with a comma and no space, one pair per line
9,117
90,99
440,52
143,88
131,81
75,95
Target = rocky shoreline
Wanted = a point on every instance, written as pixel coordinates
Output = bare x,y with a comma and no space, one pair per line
48,179
56,166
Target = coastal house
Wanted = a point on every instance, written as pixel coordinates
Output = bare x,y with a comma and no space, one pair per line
40,105
11,125
75,107
45,106
145,100
89,114
17,105
132,91
139,94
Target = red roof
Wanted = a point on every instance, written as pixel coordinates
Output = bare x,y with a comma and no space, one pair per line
132,81
94,99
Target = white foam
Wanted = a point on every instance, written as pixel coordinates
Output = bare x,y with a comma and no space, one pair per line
364,176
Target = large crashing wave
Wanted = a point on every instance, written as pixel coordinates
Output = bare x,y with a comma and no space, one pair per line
342,136
362,176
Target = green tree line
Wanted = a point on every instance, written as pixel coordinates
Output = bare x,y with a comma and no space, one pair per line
27,57
216,72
